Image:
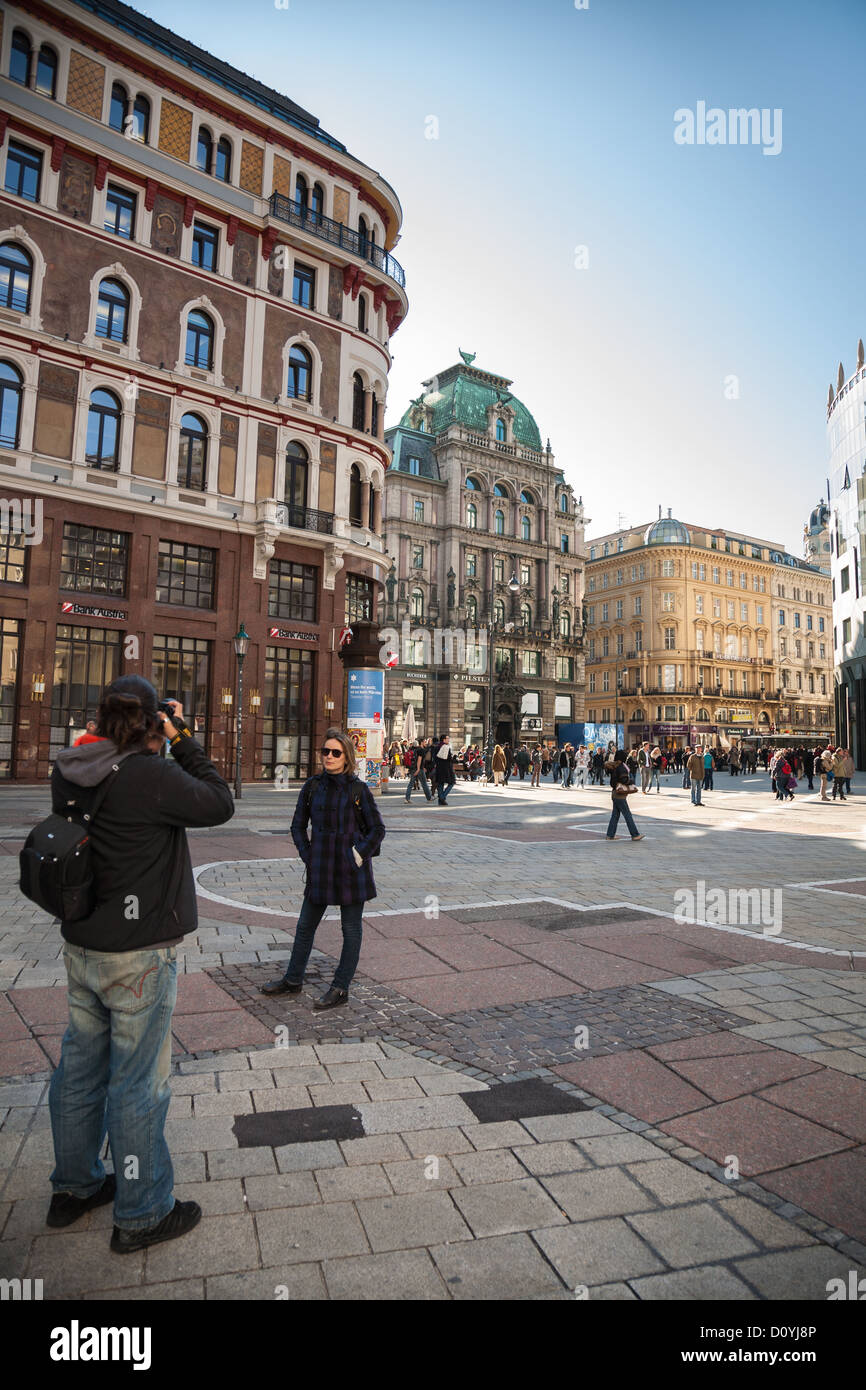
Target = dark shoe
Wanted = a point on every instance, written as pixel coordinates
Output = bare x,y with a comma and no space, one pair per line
332,1000
65,1208
282,986
637,837
182,1217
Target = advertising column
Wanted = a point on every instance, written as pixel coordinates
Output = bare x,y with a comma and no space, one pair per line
365,704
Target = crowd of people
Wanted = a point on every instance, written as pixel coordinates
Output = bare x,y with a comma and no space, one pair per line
433,766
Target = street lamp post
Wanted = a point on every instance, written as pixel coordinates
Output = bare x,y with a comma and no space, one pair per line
513,588
241,643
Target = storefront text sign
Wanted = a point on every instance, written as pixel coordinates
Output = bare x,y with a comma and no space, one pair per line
84,610
288,634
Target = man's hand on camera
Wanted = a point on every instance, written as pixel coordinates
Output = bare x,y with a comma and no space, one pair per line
168,727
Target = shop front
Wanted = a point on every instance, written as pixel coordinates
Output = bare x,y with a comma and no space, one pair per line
669,736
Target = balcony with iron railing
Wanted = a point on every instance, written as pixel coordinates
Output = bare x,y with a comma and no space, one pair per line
298,215
304,519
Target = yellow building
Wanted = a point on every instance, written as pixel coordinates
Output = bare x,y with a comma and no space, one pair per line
696,635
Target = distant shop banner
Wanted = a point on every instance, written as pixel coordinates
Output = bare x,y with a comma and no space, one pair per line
601,735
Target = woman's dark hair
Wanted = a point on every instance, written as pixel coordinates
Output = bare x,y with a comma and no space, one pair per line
123,719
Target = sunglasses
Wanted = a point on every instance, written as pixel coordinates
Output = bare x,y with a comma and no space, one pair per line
332,752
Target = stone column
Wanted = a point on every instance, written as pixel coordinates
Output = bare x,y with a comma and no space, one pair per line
377,511
380,428
368,411
365,503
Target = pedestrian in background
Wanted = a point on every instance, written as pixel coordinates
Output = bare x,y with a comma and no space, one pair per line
695,767
445,777
621,788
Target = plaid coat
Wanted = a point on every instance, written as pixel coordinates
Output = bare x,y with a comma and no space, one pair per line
336,806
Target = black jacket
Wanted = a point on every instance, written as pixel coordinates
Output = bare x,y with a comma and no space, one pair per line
144,882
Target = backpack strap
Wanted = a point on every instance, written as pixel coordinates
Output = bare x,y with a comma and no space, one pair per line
102,788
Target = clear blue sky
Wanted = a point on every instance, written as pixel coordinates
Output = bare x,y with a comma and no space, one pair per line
556,130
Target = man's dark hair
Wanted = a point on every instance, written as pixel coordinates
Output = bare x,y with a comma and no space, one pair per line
127,714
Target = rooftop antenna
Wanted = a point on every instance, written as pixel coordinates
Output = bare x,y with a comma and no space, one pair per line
660,512
620,521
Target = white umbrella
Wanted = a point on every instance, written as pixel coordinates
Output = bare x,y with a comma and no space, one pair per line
409,724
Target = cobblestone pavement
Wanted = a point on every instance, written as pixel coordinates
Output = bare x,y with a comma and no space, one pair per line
544,1083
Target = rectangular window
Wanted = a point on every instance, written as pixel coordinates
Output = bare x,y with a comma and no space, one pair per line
783,647
699,639
668,602
120,212
86,660
620,644
205,246
563,544
418,511
359,598
531,702
526,578
808,622
668,569
418,557
619,576
699,603
822,650
717,607
820,624
670,639
638,640
781,617
565,668
638,605
414,467
796,620
590,615
744,612
605,646
760,646
844,580
591,586
23,171
94,561
744,581
716,575
592,682
13,551
304,286
605,610
186,574
530,666
759,611
729,578
619,610
798,647
287,712
605,681
499,570
562,708
471,566
180,670
846,631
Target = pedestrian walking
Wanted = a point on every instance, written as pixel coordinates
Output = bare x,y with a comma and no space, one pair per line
695,768
498,764
708,770
417,768
563,766
581,765
644,763
621,788
839,775
847,769
655,768
687,781
445,777
536,766
115,1060
346,830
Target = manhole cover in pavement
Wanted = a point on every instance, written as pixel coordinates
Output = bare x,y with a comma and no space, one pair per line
550,917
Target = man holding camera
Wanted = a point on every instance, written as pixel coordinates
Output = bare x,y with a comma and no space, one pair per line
121,962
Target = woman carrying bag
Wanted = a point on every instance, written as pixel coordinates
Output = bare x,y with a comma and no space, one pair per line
621,787
347,831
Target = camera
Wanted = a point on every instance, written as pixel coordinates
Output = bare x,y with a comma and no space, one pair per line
168,709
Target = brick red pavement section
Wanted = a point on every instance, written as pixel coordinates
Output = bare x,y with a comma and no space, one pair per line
832,1188
762,1136
828,1097
741,1075
637,1083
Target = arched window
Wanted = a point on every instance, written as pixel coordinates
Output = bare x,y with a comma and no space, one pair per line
501,432
46,72
563,502
564,625
374,415
364,234
362,313
417,604
204,150
192,463
703,716
20,58
639,716
199,340
472,485
317,202
499,491
499,611
525,615
499,523
355,495
526,528
528,498
302,195
10,404
371,509
297,472
223,166
472,516
16,275
357,402
103,431
141,119
472,610
119,104
112,311
300,387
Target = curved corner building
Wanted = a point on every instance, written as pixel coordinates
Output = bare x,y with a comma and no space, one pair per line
846,428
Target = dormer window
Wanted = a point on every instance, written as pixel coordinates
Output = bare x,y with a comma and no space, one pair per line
501,432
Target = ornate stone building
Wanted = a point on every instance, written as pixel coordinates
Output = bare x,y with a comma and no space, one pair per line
473,501
197,297
696,634
846,495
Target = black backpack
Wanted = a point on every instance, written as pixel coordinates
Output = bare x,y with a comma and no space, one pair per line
56,871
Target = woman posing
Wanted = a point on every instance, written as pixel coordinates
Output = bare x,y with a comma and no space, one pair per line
347,831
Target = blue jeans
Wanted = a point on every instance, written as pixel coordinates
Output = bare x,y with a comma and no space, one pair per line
697,783
443,788
114,1077
708,779
311,915
619,808
425,785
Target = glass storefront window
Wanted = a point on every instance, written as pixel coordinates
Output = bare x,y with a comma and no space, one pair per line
86,660
180,670
287,712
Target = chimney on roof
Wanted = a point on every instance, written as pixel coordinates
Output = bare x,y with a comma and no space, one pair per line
660,512
669,511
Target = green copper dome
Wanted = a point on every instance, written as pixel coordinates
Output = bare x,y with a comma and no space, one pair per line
463,394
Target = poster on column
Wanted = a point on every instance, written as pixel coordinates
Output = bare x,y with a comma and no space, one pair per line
365,703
